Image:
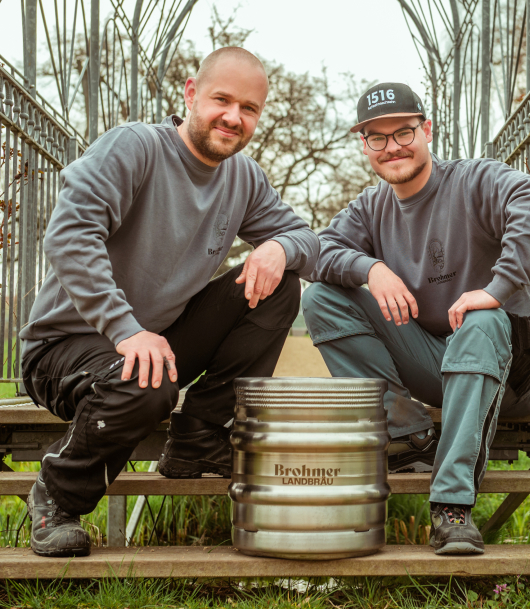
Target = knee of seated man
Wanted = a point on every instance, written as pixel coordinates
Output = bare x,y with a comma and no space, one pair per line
131,413
492,322
322,302
482,342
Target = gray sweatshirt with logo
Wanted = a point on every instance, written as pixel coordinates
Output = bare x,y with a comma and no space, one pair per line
467,229
142,225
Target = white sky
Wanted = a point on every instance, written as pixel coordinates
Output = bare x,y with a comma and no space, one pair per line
368,38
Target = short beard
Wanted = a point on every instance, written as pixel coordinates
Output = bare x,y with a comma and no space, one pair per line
404,178
199,134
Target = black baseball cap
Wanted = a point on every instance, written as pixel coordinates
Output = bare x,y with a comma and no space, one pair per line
387,100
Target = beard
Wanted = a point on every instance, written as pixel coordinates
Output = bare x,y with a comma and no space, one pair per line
200,135
400,178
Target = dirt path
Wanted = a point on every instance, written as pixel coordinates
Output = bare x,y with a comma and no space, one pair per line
300,358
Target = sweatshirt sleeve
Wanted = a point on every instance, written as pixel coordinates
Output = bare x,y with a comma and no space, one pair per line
97,192
346,246
502,209
269,218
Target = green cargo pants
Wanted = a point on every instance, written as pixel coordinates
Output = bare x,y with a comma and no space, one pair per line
464,373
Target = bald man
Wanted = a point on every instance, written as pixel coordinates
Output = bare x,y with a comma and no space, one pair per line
128,314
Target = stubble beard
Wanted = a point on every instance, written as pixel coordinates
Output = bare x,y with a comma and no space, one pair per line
404,177
199,133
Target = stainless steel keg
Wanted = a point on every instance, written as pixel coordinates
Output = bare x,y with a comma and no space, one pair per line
309,469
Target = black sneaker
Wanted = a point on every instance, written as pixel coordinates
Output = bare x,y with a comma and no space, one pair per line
412,453
194,448
453,530
54,532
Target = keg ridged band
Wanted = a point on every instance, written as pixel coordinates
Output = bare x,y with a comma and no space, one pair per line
309,398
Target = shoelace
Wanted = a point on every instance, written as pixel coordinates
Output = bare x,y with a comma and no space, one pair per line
455,514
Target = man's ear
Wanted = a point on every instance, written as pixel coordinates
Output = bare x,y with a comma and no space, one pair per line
190,91
365,148
427,129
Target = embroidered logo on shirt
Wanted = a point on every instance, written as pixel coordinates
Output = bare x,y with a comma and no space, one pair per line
436,254
220,227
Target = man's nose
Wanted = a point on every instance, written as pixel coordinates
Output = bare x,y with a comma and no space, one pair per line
392,145
232,115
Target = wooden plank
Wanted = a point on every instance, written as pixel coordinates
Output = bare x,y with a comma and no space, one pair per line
147,483
130,483
29,414
436,416
181,561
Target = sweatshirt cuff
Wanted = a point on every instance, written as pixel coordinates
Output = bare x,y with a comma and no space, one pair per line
121,328
501,289
360,268
291,251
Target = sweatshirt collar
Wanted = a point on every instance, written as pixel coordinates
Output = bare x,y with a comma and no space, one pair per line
185,153
432,183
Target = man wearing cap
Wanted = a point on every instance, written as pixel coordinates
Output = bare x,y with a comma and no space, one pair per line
444,248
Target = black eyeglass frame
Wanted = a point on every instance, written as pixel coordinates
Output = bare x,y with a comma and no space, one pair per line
387,135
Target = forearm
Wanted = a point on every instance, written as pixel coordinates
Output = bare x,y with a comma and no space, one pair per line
342,266
301,249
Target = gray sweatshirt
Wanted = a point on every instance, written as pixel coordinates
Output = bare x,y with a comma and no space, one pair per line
467,229
142,225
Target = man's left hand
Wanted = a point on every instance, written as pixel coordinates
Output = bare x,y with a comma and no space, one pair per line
263,271
470,301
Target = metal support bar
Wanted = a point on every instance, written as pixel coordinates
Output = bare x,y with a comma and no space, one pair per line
457,85
486,75
138,509
134,61
117,521
30,50
527,46
503,512
94,72
71,153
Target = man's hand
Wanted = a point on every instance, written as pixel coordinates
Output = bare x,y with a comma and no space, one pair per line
148,348
391,293
263,271
470,301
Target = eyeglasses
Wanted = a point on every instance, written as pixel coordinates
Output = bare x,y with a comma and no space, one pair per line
402,137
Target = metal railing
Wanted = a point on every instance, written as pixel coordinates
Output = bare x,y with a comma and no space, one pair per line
512,143
35,146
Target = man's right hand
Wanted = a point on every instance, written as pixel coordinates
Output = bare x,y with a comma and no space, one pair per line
148,348
391,293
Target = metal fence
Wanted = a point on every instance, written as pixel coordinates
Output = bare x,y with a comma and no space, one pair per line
35,146
512,144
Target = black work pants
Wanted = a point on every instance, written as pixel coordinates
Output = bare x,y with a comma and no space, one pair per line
79,379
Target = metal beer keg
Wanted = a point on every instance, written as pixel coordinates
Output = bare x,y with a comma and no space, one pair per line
309,469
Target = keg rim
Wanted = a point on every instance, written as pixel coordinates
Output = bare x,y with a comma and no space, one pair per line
301,383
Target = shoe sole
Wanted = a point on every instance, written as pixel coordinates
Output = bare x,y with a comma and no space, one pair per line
417,467
173,468
62,553
459,547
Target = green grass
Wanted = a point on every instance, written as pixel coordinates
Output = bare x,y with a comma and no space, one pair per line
347,593
8,390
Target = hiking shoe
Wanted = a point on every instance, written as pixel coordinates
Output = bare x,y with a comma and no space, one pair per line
413,453
54,532
195,447
453,530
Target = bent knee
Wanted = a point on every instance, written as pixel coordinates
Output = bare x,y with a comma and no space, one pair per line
493,322
481,344
330,313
